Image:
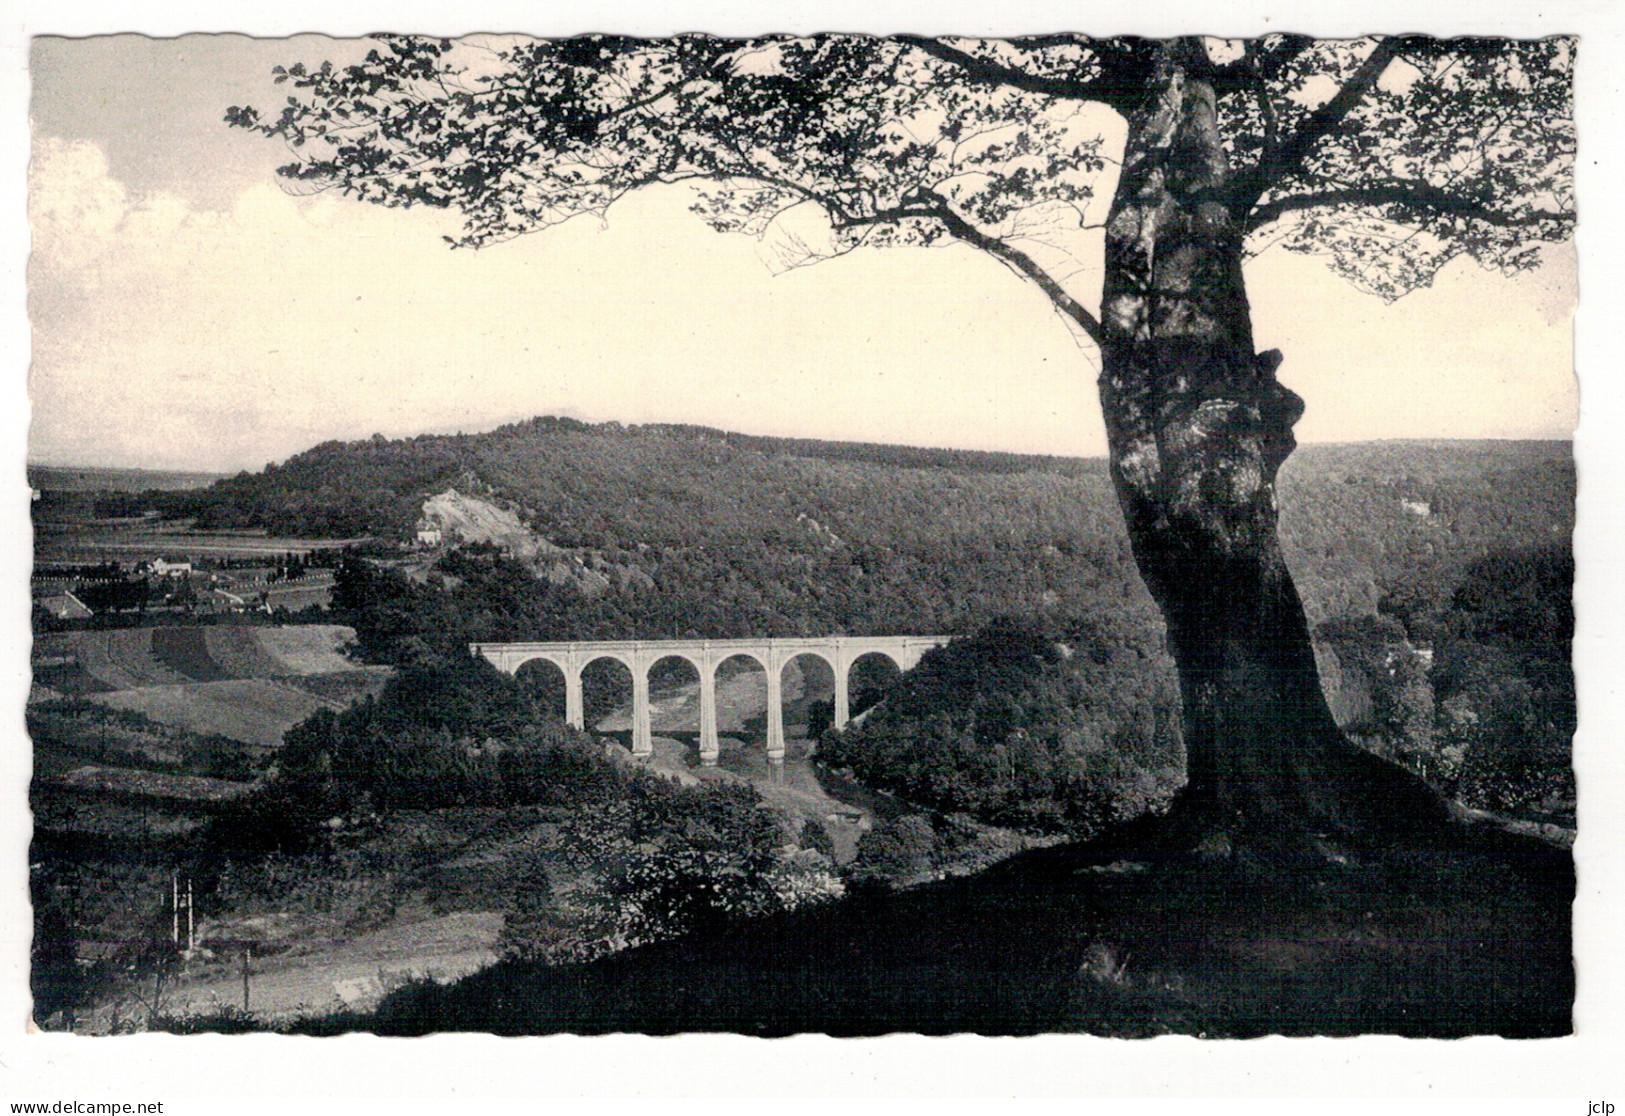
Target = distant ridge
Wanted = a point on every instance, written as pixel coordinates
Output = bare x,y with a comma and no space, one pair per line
879,453
94,478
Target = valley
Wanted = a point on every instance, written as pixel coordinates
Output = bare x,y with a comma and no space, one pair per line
269,695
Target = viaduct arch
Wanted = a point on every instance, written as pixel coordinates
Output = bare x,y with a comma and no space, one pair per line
705,655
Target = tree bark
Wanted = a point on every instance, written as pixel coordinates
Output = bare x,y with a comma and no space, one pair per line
1198,428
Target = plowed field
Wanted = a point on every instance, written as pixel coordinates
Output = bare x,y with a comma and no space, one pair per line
123,659
308,648
129,658
237,651
184,651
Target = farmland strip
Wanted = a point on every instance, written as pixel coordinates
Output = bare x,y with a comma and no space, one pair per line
183,650
308,648
236,649
96,656
131,648
254,711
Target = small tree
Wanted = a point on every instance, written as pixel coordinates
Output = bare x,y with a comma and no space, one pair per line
895,851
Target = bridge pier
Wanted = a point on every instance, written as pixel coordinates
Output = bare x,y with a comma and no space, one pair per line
575,714
710,748
775,712
642,737
842,701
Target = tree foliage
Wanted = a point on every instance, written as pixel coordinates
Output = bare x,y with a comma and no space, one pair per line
1020,726
1389,156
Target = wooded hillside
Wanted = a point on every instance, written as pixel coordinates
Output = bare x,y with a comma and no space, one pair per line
761,536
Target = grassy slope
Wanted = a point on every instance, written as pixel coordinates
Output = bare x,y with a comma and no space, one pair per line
254,711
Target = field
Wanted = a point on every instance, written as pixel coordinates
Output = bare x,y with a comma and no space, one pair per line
126,782
351,974
74,539
250,710
70,478
130,658
249,684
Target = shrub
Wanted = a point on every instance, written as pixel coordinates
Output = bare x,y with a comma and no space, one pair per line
895,852
537,927
814,835
228,1020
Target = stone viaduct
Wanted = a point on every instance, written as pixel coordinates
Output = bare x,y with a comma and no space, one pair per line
705,655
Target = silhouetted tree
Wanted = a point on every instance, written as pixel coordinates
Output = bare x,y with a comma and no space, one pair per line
1387,156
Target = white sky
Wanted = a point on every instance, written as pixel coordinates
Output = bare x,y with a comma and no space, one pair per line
188,313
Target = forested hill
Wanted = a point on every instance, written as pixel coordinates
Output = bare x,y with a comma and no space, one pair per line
741,536
746,535
376,487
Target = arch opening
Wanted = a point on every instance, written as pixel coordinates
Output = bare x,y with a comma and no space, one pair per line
674,698
542,682
741,689
606,698
807,683
868,678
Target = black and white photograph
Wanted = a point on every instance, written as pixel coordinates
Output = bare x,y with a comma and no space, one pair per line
803,531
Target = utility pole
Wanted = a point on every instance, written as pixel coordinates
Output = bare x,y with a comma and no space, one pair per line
191,936
248,954
175,906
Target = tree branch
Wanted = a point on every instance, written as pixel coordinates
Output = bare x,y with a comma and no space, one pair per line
1287,158
1415,195
1024,264
1266,107
842,221
1110,88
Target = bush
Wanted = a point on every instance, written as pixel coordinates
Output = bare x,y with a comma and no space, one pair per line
227,1020
537,927
895,852
814,836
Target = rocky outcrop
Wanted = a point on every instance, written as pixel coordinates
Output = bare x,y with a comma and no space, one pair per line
470,519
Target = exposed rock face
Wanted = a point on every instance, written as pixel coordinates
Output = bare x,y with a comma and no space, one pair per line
479,521
473,520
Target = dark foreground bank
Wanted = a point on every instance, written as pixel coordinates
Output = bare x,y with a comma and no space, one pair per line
1470,936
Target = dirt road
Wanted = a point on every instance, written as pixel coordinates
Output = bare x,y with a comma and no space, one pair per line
355,974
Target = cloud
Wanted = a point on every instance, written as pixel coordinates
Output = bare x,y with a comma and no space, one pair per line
74,208
91,231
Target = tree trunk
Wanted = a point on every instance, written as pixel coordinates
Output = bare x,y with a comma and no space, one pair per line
1198,428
